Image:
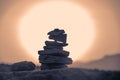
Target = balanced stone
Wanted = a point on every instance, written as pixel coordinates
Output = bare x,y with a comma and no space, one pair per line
54,52
61,38
52,47
53,56
58,35
52,66
51,43
56,32
54,59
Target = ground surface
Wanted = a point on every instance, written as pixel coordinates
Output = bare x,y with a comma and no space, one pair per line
61,74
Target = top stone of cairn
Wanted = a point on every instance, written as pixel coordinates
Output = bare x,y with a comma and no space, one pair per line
58,35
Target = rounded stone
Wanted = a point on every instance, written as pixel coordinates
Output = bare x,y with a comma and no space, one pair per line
23,66
54,59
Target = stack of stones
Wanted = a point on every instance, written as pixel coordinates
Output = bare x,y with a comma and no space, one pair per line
53,56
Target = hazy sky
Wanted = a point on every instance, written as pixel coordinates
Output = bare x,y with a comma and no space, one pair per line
104,12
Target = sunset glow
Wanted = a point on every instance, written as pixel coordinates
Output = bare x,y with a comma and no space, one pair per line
45,16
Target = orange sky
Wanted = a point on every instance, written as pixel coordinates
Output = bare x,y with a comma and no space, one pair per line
105,14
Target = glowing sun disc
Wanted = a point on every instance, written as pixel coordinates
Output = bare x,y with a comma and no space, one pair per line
46,16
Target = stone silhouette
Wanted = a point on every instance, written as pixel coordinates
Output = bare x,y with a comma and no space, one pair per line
53,56
23,66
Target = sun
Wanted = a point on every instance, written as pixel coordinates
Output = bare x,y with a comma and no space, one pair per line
46,16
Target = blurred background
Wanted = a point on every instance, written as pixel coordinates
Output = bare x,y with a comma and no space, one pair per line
104,52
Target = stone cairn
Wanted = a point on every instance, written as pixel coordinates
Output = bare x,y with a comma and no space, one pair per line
53,56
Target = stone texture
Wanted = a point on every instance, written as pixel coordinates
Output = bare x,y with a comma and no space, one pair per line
53,47
51,43
61,38
58,35
23,66
62,74
55,59
53,56
56,32
52,66
56,52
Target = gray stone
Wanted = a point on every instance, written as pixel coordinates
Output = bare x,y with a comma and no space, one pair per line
61,38
58,35
56,32
52,66
56,52
53,47
51,43
53,56
54,59
23,66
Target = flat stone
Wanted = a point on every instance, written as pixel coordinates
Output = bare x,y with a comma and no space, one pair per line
56,52
53,47
56,32
54,59
52,66
61,38
52,43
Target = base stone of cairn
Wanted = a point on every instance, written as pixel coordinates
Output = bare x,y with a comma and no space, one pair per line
53,56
